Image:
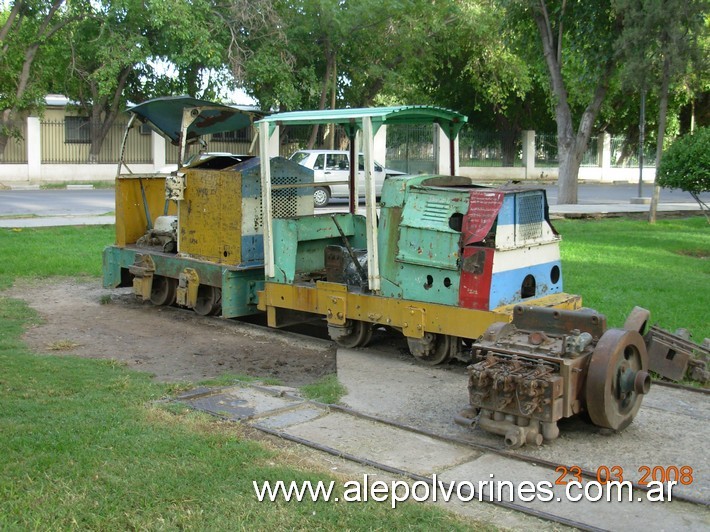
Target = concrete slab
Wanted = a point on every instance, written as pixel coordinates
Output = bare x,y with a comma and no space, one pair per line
382,443
626,515
286,419
396,387
668,431
239,403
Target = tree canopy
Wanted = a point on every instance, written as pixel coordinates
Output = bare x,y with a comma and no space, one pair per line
567,65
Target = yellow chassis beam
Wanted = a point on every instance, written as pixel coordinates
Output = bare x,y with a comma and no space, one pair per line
414,318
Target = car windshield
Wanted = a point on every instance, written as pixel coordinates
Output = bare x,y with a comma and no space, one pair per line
299,156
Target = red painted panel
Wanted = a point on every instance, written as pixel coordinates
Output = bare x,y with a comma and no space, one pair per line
483,208
476,275
477,260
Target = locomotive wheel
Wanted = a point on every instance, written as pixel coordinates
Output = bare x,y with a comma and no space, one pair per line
432,349
209,300
617,379
359,335
163,290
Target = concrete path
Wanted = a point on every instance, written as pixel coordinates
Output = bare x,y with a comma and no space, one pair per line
392,386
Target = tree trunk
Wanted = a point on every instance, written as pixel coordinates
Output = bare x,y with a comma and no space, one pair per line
329,64
662,118
570,146
104,113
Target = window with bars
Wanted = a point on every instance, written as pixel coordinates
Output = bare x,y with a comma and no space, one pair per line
77,130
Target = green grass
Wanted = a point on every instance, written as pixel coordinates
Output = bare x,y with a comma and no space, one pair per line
84,445
52,251
325,390
615,264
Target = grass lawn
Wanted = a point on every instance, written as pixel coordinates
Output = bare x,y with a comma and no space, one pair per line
616,264
84,445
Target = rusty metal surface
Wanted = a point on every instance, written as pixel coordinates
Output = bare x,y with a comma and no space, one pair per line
674,357
549,364
617,379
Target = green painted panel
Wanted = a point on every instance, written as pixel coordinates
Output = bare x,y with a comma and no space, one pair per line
299,243
424,283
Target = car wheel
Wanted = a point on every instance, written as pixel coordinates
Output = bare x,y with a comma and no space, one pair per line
321,197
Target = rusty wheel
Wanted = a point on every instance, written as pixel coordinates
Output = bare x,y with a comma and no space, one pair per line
617,379
354,334
163,290
209,300
432,349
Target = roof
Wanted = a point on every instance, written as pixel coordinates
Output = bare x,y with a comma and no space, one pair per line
164,115
451,121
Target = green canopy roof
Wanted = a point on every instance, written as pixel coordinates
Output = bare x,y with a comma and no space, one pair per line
450,121
164,115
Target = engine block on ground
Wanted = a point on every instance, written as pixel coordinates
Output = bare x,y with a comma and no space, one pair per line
549,364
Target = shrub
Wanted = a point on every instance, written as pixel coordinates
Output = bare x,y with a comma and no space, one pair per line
686,163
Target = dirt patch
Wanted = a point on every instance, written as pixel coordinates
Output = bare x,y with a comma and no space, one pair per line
171,343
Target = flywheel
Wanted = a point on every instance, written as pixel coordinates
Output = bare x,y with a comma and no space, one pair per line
617,379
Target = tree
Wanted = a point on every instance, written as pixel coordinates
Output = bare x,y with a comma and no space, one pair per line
686,165
29,27
469,64
576,44
658,45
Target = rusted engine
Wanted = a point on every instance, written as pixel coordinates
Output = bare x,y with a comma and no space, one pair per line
549,364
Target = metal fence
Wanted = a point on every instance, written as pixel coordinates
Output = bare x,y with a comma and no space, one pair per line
15,151
68,141
625,153
488,148
410,149
546,154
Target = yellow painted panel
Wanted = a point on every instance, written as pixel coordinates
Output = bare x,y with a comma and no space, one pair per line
211,216
131,221
440,319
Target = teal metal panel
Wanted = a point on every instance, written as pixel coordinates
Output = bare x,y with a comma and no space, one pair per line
239,285
432,285
299,243
111,267
239,290
430,230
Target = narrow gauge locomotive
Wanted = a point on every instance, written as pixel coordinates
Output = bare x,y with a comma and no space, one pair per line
461,270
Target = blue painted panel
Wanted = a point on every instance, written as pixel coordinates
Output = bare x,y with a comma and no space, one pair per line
253,249
506,286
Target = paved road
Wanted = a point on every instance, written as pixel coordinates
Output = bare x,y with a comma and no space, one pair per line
34,208
56,202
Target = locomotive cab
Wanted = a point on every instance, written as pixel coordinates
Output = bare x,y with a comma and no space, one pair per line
446,240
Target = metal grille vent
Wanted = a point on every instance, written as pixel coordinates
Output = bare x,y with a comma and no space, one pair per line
530,215
436,211
284,201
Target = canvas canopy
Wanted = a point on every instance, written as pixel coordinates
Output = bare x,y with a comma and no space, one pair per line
165,115
450,121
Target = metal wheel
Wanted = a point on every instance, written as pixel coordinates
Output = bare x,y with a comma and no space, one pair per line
209,300
321,197
617,379
432,349
354,334
163,290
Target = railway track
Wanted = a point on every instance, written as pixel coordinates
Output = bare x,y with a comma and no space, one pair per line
330,429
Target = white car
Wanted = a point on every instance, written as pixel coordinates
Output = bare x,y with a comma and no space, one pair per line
331,171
